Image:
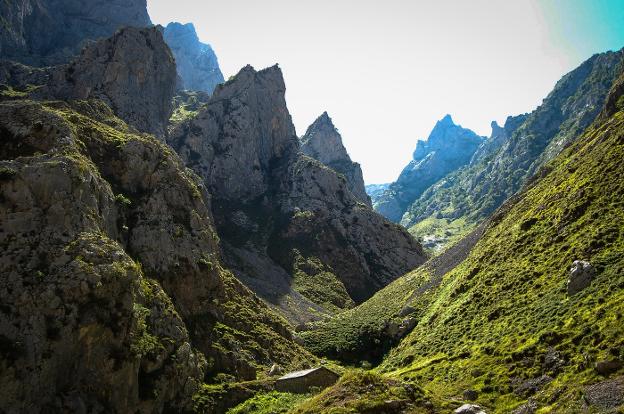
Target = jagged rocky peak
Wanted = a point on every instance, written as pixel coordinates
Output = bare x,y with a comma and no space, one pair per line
448,147
323,142
133,72
49,32
245,126
197,63
290,228
455,141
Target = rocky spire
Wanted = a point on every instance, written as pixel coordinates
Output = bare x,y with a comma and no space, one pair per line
323,142
133,72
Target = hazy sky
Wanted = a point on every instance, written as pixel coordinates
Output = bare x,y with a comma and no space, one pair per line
386,70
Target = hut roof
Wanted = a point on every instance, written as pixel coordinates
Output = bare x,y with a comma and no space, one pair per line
303,373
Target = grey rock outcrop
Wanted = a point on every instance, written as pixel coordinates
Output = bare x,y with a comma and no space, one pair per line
323,142
469,409
196,62
111,270
133,72
581,275
448,148
282,216
50,32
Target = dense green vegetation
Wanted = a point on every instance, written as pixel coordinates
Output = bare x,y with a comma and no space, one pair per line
366,392
503,320
464,198
269,403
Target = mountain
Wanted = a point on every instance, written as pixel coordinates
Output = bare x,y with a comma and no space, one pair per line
375,191
111,264
447,148
196,62
522,316
49,32
461,200
323,143
290,227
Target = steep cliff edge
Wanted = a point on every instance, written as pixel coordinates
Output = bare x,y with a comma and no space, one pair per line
50,32
291,229
196,62
133,72
323,142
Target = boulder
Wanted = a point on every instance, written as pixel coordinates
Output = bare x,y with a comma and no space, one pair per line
275,370
469,409
581,275
606,395
607,367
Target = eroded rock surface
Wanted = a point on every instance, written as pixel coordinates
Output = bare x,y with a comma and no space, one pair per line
111,271
323,142
290,226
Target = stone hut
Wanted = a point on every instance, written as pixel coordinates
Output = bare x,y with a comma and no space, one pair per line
302,381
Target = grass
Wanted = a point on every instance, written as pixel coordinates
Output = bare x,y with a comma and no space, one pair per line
269,403
365,392
497,316
437,233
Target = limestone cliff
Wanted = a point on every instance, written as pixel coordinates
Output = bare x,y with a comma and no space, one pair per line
133,72
50,32
323,142
197,63
291,228
111,270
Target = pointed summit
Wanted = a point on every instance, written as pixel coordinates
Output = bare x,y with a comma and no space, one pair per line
447,120
323,142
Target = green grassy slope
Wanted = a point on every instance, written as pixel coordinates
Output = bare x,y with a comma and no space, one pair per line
467,196
502,323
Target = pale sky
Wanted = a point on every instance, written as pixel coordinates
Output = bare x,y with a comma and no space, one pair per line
387,70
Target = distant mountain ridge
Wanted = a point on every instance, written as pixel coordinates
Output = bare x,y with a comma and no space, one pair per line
197,63
448,147
507,160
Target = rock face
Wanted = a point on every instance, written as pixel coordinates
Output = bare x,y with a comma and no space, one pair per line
111,271
111,264
133,72
448,147
290,227
323,143
49,32
196,62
